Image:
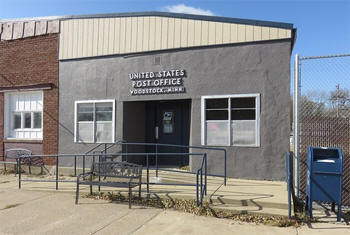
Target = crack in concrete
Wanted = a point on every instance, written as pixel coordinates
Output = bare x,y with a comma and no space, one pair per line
111,222
146,222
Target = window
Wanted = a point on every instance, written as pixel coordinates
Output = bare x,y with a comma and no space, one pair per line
23,115
94,121
231,120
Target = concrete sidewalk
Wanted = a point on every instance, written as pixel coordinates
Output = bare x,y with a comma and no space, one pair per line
241,196
50,212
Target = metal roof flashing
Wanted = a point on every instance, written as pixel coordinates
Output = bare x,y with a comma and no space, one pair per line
157,13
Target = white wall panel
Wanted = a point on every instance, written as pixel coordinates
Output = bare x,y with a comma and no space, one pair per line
122,35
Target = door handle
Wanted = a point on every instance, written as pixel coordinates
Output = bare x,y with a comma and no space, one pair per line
156,132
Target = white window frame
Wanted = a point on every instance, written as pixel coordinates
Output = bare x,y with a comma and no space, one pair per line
257,117
9,116
94,121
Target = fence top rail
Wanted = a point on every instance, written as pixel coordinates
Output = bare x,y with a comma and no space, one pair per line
322,57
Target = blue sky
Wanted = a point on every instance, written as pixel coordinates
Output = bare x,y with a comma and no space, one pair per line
323,25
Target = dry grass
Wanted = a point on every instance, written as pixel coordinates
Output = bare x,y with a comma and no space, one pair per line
185,168
11,206
189,206
7,172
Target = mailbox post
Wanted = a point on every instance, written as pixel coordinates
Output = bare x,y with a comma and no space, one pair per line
324,177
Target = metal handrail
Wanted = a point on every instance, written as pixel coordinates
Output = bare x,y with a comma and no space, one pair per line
112,144
202,186
90,151
123,142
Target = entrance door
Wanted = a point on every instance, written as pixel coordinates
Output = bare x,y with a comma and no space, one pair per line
170,126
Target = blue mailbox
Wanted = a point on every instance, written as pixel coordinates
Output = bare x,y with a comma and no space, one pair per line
324,177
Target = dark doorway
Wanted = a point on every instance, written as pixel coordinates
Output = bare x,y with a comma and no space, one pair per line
168,122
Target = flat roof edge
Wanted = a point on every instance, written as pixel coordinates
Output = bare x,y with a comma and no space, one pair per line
164,14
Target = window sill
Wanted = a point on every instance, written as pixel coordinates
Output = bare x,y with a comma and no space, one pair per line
82,142
231,146
34,141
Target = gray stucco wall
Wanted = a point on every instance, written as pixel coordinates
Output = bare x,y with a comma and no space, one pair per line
262,68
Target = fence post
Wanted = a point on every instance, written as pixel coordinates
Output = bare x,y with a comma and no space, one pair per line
296,124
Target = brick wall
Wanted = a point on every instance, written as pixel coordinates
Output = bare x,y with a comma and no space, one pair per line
32,61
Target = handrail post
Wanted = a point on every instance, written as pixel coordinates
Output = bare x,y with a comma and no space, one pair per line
126,150
201,187
19,172
156,160
225,166
75,165
205,171
197,196
99,175
57,172
147,174
83,164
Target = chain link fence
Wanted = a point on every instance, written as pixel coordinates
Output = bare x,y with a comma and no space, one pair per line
322,112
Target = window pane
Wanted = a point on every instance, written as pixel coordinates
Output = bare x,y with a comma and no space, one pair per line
104,116
85,132
17,121
104,111
243,133
104,132
83,108
216,115
108,106
217,133
216,103
243,114
85,117
27,120
85,112
37,120
243,102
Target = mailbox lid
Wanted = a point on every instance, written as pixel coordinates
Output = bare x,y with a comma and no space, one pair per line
326,159
328,155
